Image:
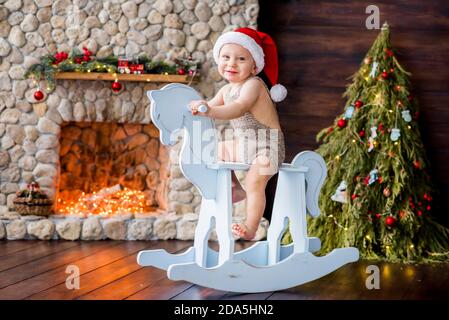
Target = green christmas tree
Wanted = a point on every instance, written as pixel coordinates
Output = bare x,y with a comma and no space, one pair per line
378,194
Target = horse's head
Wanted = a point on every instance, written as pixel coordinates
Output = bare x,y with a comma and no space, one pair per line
168,108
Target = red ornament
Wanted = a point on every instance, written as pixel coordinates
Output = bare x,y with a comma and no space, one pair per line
419,213
390,221
391,70
362,133
366,180
181,72
417,164
358,104
38,95
378,215
384,75
116,86
341,123
428,208
353,196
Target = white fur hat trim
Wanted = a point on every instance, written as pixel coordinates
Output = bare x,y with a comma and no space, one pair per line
245,41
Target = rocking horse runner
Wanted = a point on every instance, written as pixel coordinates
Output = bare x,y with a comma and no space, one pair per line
266,265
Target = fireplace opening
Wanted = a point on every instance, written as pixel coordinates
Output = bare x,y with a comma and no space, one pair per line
110,168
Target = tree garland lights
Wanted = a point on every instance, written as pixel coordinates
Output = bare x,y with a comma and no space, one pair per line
378,193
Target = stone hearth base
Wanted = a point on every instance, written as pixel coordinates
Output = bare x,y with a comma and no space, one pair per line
130,227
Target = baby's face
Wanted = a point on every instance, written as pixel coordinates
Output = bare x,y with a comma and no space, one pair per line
235,63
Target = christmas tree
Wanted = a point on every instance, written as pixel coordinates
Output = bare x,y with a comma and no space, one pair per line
378,194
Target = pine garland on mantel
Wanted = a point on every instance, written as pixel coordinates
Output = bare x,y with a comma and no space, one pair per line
78,61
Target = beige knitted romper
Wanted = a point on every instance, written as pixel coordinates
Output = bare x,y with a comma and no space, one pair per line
256,139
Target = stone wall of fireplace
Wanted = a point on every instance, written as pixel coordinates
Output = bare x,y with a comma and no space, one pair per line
31,131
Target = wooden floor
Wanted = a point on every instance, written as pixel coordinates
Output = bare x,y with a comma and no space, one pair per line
108,270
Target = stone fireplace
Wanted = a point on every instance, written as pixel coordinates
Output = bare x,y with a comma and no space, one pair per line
83,140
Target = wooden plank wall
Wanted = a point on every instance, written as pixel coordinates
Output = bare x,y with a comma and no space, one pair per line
321,44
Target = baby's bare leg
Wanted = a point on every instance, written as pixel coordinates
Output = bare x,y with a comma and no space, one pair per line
227,152
255,194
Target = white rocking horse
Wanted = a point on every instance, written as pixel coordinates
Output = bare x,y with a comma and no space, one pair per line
266,265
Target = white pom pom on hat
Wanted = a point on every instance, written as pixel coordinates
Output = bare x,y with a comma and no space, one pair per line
278,92
264,52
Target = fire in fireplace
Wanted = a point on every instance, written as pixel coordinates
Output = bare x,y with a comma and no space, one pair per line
108,168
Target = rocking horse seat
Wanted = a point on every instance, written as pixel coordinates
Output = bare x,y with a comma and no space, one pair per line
244,167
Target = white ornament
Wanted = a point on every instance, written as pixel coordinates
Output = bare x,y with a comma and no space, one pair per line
278,93
395,134
374,69
406,116
349,112
371,138
340,194
372,176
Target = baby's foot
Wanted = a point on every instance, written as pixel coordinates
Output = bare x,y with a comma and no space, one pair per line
238,194
242,231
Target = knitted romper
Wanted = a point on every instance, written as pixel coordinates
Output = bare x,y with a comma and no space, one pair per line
256,139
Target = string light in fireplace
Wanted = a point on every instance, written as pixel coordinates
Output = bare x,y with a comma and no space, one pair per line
123,201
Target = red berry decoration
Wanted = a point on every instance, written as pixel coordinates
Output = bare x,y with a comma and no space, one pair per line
416,115
181,72
353,196
358,104
385,75
341,123
116,86
38,95
362,133
390,221
417,164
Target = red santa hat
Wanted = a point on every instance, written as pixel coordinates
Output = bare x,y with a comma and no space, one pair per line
264,52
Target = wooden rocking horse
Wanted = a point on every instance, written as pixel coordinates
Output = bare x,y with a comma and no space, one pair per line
266,265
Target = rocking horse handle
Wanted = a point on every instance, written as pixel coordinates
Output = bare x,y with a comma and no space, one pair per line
201,108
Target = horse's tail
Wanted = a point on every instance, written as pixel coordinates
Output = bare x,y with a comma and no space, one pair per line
314,178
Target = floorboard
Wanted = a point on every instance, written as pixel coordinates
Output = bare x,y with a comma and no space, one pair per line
108,271
8,247
135,281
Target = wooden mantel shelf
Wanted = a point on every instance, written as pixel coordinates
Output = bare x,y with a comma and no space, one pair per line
123,77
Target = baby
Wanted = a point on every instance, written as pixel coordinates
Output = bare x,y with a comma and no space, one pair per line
249,105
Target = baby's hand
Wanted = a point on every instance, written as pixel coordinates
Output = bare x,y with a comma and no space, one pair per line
194,105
